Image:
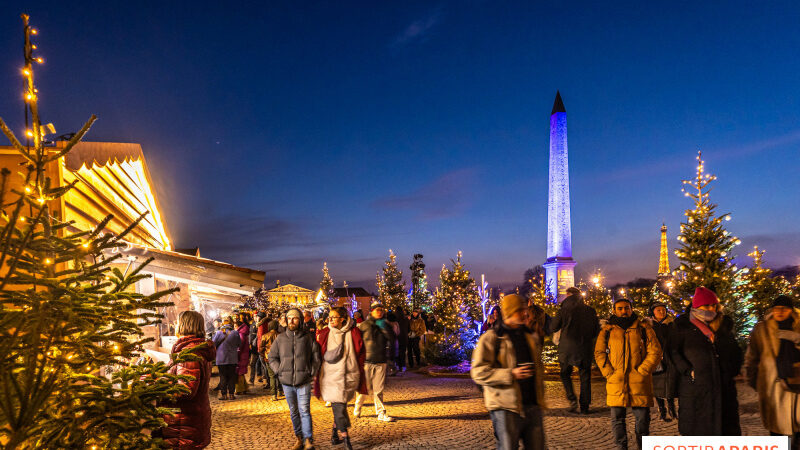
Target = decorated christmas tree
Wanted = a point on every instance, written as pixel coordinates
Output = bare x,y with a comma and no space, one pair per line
538,292
705,245
71,323
391,287
597,295
326,284
457,308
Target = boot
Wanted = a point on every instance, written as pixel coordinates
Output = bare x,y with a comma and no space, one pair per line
299,444
662,410
335,439
347,443
222,397
671,408
275,397
309,444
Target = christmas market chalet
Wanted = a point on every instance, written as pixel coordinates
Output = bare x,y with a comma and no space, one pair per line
113,178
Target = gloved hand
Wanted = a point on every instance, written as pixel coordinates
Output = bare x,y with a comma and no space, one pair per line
788,335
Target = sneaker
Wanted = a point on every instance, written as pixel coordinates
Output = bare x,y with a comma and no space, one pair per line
384,418
573,406
222,397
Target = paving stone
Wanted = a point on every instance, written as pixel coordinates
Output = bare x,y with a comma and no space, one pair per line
433,413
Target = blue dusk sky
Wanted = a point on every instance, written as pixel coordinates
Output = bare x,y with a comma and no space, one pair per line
284,134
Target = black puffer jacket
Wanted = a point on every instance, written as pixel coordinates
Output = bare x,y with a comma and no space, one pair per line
579,328
378,340
294,357
665,377
708,404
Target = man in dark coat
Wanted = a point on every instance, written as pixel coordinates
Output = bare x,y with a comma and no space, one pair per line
402,339
707,357
665,377
295,358
579,327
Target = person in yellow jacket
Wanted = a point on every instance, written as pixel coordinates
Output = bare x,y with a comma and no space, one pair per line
507,364
627,351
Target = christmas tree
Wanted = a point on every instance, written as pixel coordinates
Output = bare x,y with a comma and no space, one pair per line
457,308
597,296
705,249
538,292
326,284
70,321
391,287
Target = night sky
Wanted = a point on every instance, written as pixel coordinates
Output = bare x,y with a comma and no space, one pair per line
282,134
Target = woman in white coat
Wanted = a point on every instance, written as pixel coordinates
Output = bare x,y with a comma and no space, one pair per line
342,372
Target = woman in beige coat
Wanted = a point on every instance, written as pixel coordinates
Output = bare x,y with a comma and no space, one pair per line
772,365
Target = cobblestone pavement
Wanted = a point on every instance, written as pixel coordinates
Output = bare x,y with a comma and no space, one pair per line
432,413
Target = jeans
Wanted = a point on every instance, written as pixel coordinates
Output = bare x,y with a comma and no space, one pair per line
376,380
585,373
642,416
340,418
413,352
299,400
510,427
227,378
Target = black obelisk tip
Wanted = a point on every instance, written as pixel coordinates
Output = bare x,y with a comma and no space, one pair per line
558,105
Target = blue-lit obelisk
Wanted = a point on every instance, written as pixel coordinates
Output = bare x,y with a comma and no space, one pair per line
559,268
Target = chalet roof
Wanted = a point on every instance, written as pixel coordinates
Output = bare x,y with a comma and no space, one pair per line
291,288
102,153
194,251
358,291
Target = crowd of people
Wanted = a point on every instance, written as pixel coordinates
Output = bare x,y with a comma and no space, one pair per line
658,359
337,358
650,361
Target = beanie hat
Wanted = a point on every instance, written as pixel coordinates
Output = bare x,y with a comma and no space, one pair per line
783,300
704,296
512,303
375,305
294,312
655,305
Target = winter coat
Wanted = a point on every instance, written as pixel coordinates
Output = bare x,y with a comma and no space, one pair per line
338,382
253,336
378,340
265,343
708,404
294,357
626,358
244,349
665,377
261,330
190,428
404,324
417,327
227,343
500,389
779,405
579,327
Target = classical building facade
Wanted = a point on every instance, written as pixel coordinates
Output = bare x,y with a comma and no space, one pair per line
293,294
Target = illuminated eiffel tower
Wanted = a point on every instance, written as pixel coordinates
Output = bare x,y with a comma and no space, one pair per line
663,258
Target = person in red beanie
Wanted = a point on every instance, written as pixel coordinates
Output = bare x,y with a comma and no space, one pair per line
705,353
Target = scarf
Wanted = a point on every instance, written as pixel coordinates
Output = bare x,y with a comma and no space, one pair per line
788,354
700,319
623,322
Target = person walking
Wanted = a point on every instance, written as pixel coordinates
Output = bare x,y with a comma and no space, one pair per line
402,339
378,339
392,365
295,357
264,346
342,371
772,366
491,319
665,377
190,428
416,331
705,353
626,352
507,364
243,327
227,341
579,326
255,330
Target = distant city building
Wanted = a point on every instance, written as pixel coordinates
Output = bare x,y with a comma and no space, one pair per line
358,295
290,293
559,267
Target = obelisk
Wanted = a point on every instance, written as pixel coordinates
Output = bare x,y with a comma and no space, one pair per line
559,268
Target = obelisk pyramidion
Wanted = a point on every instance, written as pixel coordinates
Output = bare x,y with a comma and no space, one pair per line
559,268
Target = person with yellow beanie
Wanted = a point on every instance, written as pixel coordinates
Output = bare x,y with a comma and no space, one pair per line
507,364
